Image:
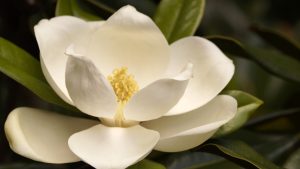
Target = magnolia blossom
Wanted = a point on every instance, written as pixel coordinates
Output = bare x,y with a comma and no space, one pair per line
146,93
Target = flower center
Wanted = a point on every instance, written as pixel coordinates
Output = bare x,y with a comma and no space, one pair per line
124,86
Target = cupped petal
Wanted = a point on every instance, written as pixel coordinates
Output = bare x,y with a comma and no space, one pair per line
53,37
212,71
112,147
42,135
89,89
159,97
129,39
185,131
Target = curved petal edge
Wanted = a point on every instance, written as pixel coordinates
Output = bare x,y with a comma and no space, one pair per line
42,135
212,71
113,147
185,131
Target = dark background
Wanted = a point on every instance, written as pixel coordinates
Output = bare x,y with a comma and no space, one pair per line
225,17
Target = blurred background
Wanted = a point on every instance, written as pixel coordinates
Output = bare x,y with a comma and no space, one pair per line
232,18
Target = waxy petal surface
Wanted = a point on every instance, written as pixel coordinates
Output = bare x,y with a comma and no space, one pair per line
53,37
129,39
89,89
212,71
159,97
112,147
42,135
185,131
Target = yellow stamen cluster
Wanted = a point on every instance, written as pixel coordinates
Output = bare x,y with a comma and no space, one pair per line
123,84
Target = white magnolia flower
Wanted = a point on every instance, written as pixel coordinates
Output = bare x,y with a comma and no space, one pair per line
124,72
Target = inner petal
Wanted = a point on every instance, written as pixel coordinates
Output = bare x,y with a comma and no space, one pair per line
159,97
88,88
130,38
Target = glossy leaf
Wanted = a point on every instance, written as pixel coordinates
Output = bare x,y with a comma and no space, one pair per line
272,61
222,164
82,11
23,68
279,40
238,152
254,138
197,160
247,104
63,7
273,116
75,8
101,6
31,166
278,150
145,6
179,18
277,63
147,164
274,146
278,121
230,45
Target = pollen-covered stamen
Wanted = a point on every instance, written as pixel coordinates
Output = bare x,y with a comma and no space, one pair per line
124,86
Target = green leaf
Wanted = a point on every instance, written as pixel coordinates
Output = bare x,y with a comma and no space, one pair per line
102,6
254,138
277,63
247,104
147,164
108,6
222,164
293,161
274,146
197,160
272,61
75,8
229,45
278,150
23,68
31,166
279,40
82,11
179,18
272,116
278,121
63,7
238,152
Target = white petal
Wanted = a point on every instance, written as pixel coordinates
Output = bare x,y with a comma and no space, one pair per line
43,136
212,71
53,37
129,39
89,89
158,98
185,131
182,143
111,147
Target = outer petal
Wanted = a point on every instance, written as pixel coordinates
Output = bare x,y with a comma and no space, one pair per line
182,132
53,37
212,68
43,136
111,147
158,98
129,39
89,89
